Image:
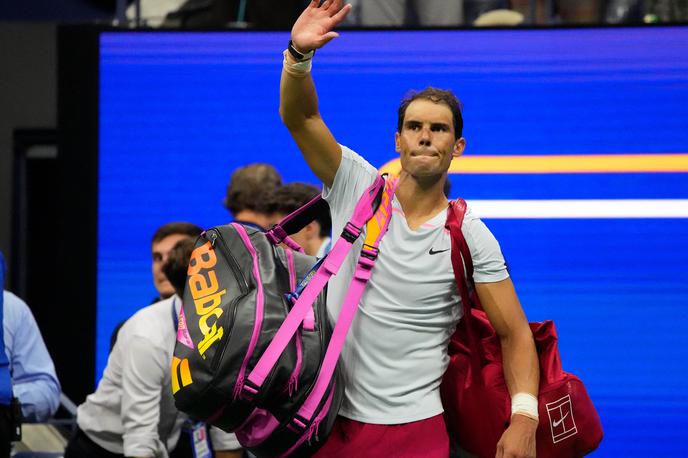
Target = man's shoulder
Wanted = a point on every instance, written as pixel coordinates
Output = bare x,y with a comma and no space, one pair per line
469,218
354,158
353,175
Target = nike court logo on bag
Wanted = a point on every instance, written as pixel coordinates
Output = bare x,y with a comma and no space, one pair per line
431,252
556,423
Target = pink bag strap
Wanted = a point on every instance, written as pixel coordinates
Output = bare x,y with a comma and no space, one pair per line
363,212
375,230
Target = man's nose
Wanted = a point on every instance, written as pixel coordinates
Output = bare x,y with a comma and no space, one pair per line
425,137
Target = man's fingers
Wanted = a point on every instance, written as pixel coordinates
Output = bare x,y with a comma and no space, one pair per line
326,4
341,14
329,36
336,5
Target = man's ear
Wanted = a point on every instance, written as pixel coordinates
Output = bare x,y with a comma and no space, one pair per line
397,146
459,147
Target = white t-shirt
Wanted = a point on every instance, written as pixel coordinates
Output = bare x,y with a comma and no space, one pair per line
396,350
132,411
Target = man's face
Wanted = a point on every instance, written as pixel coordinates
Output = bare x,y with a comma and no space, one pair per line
161,249
426,142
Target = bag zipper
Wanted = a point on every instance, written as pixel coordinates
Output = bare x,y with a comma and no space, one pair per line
260,299
293,383
243,287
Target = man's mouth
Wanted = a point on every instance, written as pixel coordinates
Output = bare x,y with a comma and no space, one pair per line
424,154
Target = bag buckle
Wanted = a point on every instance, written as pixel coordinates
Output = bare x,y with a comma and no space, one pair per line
351,232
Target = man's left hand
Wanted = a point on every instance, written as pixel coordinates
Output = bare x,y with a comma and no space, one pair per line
518,441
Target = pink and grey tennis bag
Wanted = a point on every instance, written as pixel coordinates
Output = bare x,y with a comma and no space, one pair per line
255,353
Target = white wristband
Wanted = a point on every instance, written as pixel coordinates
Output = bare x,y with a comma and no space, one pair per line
298,69
525,404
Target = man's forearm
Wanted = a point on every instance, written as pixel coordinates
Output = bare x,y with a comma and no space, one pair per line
521,366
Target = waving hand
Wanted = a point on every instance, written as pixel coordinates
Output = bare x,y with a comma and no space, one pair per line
315,27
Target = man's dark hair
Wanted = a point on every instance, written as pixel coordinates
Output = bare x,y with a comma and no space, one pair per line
177,227
292,196
437,96
248,187
178,263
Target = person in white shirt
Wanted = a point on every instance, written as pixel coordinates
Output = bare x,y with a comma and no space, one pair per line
132,412
396,350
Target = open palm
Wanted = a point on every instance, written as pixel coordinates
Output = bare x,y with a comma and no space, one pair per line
314,28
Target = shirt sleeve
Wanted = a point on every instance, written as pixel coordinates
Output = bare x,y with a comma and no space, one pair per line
223,441
143,375
34,381
488,262
353,176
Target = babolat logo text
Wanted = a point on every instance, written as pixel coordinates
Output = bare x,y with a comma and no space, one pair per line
181,375
202,282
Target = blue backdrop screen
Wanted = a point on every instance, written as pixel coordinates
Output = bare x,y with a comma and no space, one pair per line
599,245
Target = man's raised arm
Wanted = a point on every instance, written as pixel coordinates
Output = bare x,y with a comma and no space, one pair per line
298,98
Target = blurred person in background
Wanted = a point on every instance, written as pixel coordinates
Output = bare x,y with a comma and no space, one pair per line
274,14
315,237
29,388
648,11
394,13
247,193
164,238
424,13
132,412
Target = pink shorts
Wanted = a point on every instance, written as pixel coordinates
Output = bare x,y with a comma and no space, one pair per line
424,438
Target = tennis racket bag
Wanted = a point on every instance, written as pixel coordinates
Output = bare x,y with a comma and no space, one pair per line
255,354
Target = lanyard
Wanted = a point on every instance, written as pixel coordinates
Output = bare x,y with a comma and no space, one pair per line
175,318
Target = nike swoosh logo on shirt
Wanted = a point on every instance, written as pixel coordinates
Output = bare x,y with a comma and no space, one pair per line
431,252
556,423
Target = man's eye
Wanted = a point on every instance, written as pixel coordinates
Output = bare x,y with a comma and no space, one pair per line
157,258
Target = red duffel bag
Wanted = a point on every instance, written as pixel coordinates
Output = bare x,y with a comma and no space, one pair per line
474,392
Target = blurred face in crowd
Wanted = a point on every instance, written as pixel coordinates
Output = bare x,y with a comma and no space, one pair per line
161,249
304,238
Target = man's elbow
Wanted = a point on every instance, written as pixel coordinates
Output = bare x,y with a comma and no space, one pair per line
284,116
39,400
41,412
292,121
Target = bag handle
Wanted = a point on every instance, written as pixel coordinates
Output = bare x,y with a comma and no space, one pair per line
367,205
462,263
295,221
